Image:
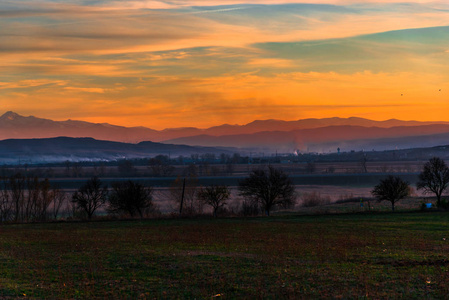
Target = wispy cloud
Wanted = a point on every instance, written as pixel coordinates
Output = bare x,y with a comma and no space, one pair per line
197,61
87,90
21,84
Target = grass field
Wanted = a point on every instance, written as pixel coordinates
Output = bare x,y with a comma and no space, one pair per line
379,255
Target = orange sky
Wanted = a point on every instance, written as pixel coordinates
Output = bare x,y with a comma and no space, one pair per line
192,63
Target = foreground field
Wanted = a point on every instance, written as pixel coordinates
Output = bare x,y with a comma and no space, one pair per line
335,256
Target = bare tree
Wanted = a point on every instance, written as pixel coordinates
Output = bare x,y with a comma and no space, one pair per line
6,208
131,197
126,168
67,164
190,171
99,170
30,199
434,178
41,200
25,199
215,196
90,196
214,170
363,163
310,167
229,168
58,197
77,169
391,189
269,188
16,185
204,168
160,166
37,199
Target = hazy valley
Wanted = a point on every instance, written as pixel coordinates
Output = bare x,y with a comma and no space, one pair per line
33,139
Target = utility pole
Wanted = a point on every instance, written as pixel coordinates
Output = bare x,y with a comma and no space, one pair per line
182,195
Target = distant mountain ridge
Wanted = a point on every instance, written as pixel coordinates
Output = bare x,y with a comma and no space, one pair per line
325,139
49,150
13,125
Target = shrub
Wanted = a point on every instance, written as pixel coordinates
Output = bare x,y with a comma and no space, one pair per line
249,208
423,206
444,204
349,200
131,198
314,199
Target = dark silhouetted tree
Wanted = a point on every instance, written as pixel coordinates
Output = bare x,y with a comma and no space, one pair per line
99,170
434,178
38,200
391,189
190,171
160,166
77,169
58,197
363,163
90,196
215,196
310,167
25,199
68,165
126,168
17,185
131,197
6,205
229,168
236,158
269,188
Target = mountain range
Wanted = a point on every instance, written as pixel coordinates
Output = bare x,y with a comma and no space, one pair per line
329,138
60,149
268,136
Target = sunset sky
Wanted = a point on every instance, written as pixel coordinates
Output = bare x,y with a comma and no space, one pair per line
185,63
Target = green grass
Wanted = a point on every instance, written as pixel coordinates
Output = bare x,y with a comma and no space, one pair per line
339,256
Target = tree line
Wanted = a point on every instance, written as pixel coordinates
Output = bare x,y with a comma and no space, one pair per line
30,199
263,189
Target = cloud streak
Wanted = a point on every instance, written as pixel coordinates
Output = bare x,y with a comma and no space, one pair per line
195,62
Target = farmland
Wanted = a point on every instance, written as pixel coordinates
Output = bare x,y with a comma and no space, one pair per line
372,255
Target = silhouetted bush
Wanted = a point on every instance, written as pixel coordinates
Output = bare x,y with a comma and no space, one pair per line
249,208
444,204
131,198
314,199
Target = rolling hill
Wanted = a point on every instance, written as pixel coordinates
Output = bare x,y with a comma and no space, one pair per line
49,150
